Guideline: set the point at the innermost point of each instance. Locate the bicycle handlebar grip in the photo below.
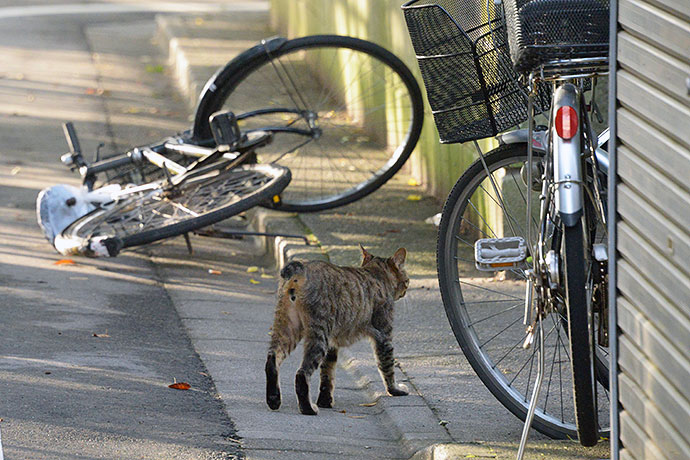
(71, 136)
(110, 163)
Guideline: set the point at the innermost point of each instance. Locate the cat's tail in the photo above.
(291, 269)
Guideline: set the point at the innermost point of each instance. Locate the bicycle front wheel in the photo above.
(486, 309)
(159, 213)
(345, 115)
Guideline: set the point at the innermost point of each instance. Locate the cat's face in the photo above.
(394, 265)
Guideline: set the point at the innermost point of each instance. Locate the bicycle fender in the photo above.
(567, 162)
(223, 74)
(519, 136)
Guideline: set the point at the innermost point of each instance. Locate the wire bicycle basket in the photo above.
(543, 31)
(462, 51)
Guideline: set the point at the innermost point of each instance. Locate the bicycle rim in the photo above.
(486, 309)
(153, 215)
(366, 105)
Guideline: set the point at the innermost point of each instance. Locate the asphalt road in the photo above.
(87, 350)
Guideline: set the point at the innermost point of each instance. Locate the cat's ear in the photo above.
(366, 257)
(399, 257)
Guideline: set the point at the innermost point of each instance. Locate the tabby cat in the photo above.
(330, 307)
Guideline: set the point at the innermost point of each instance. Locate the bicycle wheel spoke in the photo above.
(491, 290)
(495, 314)
(500, 332)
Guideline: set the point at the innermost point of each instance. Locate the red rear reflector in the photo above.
(566, 122)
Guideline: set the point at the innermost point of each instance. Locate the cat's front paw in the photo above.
(398, 390)
(325, 400)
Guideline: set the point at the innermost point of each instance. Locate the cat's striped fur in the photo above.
(330, 307)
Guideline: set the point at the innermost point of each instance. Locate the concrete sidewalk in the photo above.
(449, 413)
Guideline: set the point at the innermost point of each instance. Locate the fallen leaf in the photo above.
(90, 90)
(371, 404)
(101, 335)
(253, 281)
(214, 272)
(252, 269)
(414, 197)
(65, 262)
(180, 386)
(342, 411)
(267, 276)
(412, 182)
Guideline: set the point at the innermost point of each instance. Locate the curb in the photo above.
(197, 45)
(410, 418)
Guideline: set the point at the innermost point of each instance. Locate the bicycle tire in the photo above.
(580, 334)
(359, 148)
(154, 215)
(478, 308)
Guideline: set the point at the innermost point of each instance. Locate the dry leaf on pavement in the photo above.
(371, 404)
(65, 262)
(180, 386)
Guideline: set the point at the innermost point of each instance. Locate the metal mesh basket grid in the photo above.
(462, 51)
(541, 31)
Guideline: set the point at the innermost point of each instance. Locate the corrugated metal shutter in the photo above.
(653, 228)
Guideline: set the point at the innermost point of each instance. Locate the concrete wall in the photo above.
(436, 166)
(653, 228)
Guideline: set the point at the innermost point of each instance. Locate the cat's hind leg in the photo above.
(272, 381)
(327, 385)
(286, 333)
(314, 353)
(383, 349)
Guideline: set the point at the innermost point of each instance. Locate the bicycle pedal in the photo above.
(224, 128)
(495, 254)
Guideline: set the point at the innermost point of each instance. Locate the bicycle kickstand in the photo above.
(535, 392)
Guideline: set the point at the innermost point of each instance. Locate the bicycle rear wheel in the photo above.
(485, 309)
(152, 215)
(345, 114)
(580, 333)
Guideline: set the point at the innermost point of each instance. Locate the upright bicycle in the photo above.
(334, 117)
(522, 253)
